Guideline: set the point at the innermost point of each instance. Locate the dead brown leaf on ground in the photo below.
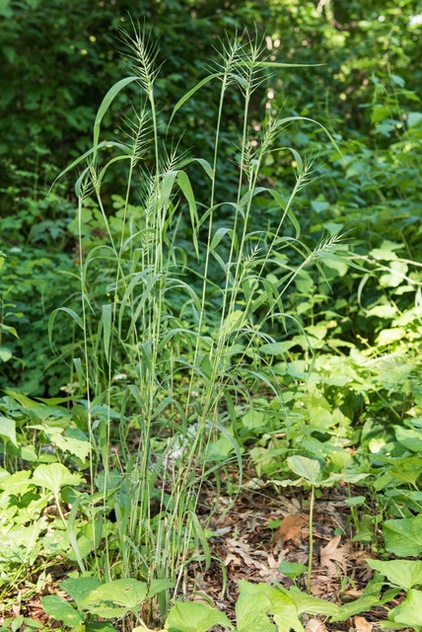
(315, 625)
(332, 555)
(362, 625)
(291, 526)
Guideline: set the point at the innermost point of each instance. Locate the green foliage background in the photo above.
(57, 64)
(188, 329)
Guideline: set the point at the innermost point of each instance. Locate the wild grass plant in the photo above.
(178, 300)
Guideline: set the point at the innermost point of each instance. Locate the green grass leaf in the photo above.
(191, 92)
(105, 104)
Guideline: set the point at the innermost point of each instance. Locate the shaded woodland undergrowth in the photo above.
(236, 392)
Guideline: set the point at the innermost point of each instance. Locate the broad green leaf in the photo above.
(206, 167)
(404, 573)
(62, 610)
(409, 612)
(292, 569)
(17, 483)
(411, 438)
(79, 587)
(414, 118)
(23, 400)
(233, 322)
(396, 275)
(8, 329)
(22, 542)
(77, 447)
(320, 417)
(276, 348)
(386, 251)
(72, 314)
(382, 311)
(320, 205)
(253, 419)
(388, 336)
(8, 430)
(311, 605)
(309, 469)
(54, 476)
(128, 593)
(362, 604)
(194, 617)
(257, 601)
(5, 354)
(99, 626)
(403, 537)
(335, 262)
(159, 585)
(374, 594)
(108, 612)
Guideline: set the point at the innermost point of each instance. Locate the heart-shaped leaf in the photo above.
(309, 469)
(54, 476)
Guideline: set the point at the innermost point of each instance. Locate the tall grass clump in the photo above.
(178, 300)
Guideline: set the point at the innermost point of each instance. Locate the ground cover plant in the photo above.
(214, 354)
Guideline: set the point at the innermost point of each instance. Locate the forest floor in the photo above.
(248, 543)
(250, 546)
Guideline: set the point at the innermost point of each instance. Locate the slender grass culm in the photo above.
(176, 300)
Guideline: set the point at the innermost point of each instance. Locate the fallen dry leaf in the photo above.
(314, 625)
(232, 559)
(332, 554)
(291, 526)
(362, 625)
(240, 549)
(270, 572)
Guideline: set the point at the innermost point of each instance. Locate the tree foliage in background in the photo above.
(58, 63)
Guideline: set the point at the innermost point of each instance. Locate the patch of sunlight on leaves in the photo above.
(388, 336)
(398, 271)
(8, 430)
(386, 251)
(382, 311)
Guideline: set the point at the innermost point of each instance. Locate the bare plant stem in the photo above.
(311, 538)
